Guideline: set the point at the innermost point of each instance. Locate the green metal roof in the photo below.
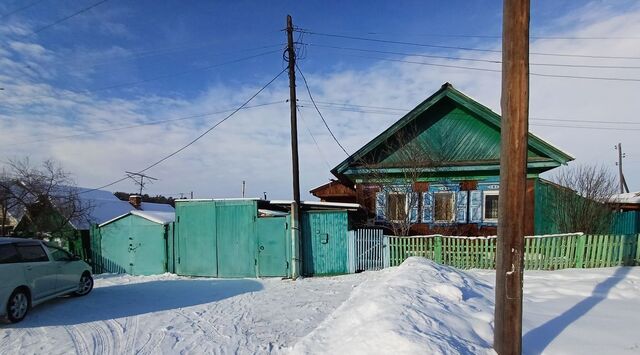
(458, 132)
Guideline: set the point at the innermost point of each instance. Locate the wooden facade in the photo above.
(439, 167)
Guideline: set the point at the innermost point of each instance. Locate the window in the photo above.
(444, 206)
(59, 254)
(490, 206)
(8, 254)
(396, 206)
(30, 253)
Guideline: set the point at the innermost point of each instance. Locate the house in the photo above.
(100, 206)
(438, 168)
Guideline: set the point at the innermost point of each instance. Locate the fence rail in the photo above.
(550, 252)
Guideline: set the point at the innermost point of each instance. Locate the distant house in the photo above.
(101, 206)
(454, 188)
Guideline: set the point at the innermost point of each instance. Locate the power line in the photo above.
(141, 124)
(320, 113)
(199, 136)
(160, 77)
(492, 61)
(354, 108)
(499, 71)
(486, 50)
(314, 138)
(441, 35)
(21, 8)
(83, 10)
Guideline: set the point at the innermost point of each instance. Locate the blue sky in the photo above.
(127, 63)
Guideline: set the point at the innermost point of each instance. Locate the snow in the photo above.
(418, 307)
(172, 314)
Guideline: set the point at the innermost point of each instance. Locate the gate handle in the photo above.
(261, 247)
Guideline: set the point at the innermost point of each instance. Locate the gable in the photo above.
(451, 132)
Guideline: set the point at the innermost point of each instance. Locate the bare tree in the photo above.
(581, 201)
(396, 170)
(46, 195)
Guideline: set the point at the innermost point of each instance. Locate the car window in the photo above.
(30, 253)
(58, 254)
(8, 254)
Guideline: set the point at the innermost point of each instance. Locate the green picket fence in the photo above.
(548, 252)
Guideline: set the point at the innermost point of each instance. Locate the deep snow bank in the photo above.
(418, 307)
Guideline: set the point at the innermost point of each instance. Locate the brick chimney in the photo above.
(135, 201)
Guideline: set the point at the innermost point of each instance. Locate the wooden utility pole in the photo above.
(513, 177)
(295, 206)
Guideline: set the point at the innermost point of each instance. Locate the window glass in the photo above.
(396, 206)
(58, 254)
(444, 206)
(8, 254)
(31, 253)
(491, 207)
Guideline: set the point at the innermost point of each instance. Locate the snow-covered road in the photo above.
(417, 307)
(171, 314)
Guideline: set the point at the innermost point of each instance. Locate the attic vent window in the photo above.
(444, 206)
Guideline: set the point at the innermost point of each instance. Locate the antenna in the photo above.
(140, 183)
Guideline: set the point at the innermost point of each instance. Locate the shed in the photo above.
(136, 243)
(231, 238)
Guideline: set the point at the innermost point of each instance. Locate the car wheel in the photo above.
(18, 305)
(85, 286)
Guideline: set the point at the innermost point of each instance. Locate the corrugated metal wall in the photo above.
(220, 238)
(324, 242)
(133, 245)
(626, 222)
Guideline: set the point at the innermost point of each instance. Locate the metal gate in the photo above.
(366, 250)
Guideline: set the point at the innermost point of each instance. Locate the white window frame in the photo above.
(406, 205)
(484, 205)
(453, 206)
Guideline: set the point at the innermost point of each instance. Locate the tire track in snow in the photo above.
(155, 339)
(130, 333)
(78, 340)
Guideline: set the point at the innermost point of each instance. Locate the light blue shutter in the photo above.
(461, 206)
(427, 207)
(475, 206)
(381, 205)
(413, 205)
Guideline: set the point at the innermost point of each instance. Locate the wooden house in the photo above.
(439, 167)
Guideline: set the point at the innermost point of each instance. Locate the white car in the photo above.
(33, 271)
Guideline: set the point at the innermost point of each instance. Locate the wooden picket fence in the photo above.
(547, 252)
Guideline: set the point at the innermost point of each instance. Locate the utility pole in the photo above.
(623, 183)
(295, 206)
(513, 177)
(243, 187)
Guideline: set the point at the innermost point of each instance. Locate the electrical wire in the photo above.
(306, 84)
(160, 77)
(492, 61)
(378, 110)
(486, 50)
(151, 123)
(33, 3)
(314, 138)
(440, 35)
(198, 137)
(499, 70)
(81, 11)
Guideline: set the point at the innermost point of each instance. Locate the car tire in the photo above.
(85, 285)
(18, 305)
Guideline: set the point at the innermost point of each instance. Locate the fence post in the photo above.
(437, 252)
(637, 239)
(385, 257)
(580, 246)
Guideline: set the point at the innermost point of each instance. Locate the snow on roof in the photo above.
(317, 203)
(271, 213)
(153, 216)
(158, 207)
(629, 197)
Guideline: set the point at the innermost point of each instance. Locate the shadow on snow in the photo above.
(110, 302)
(537, 339)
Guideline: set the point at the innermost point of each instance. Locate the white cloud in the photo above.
(254, 145)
